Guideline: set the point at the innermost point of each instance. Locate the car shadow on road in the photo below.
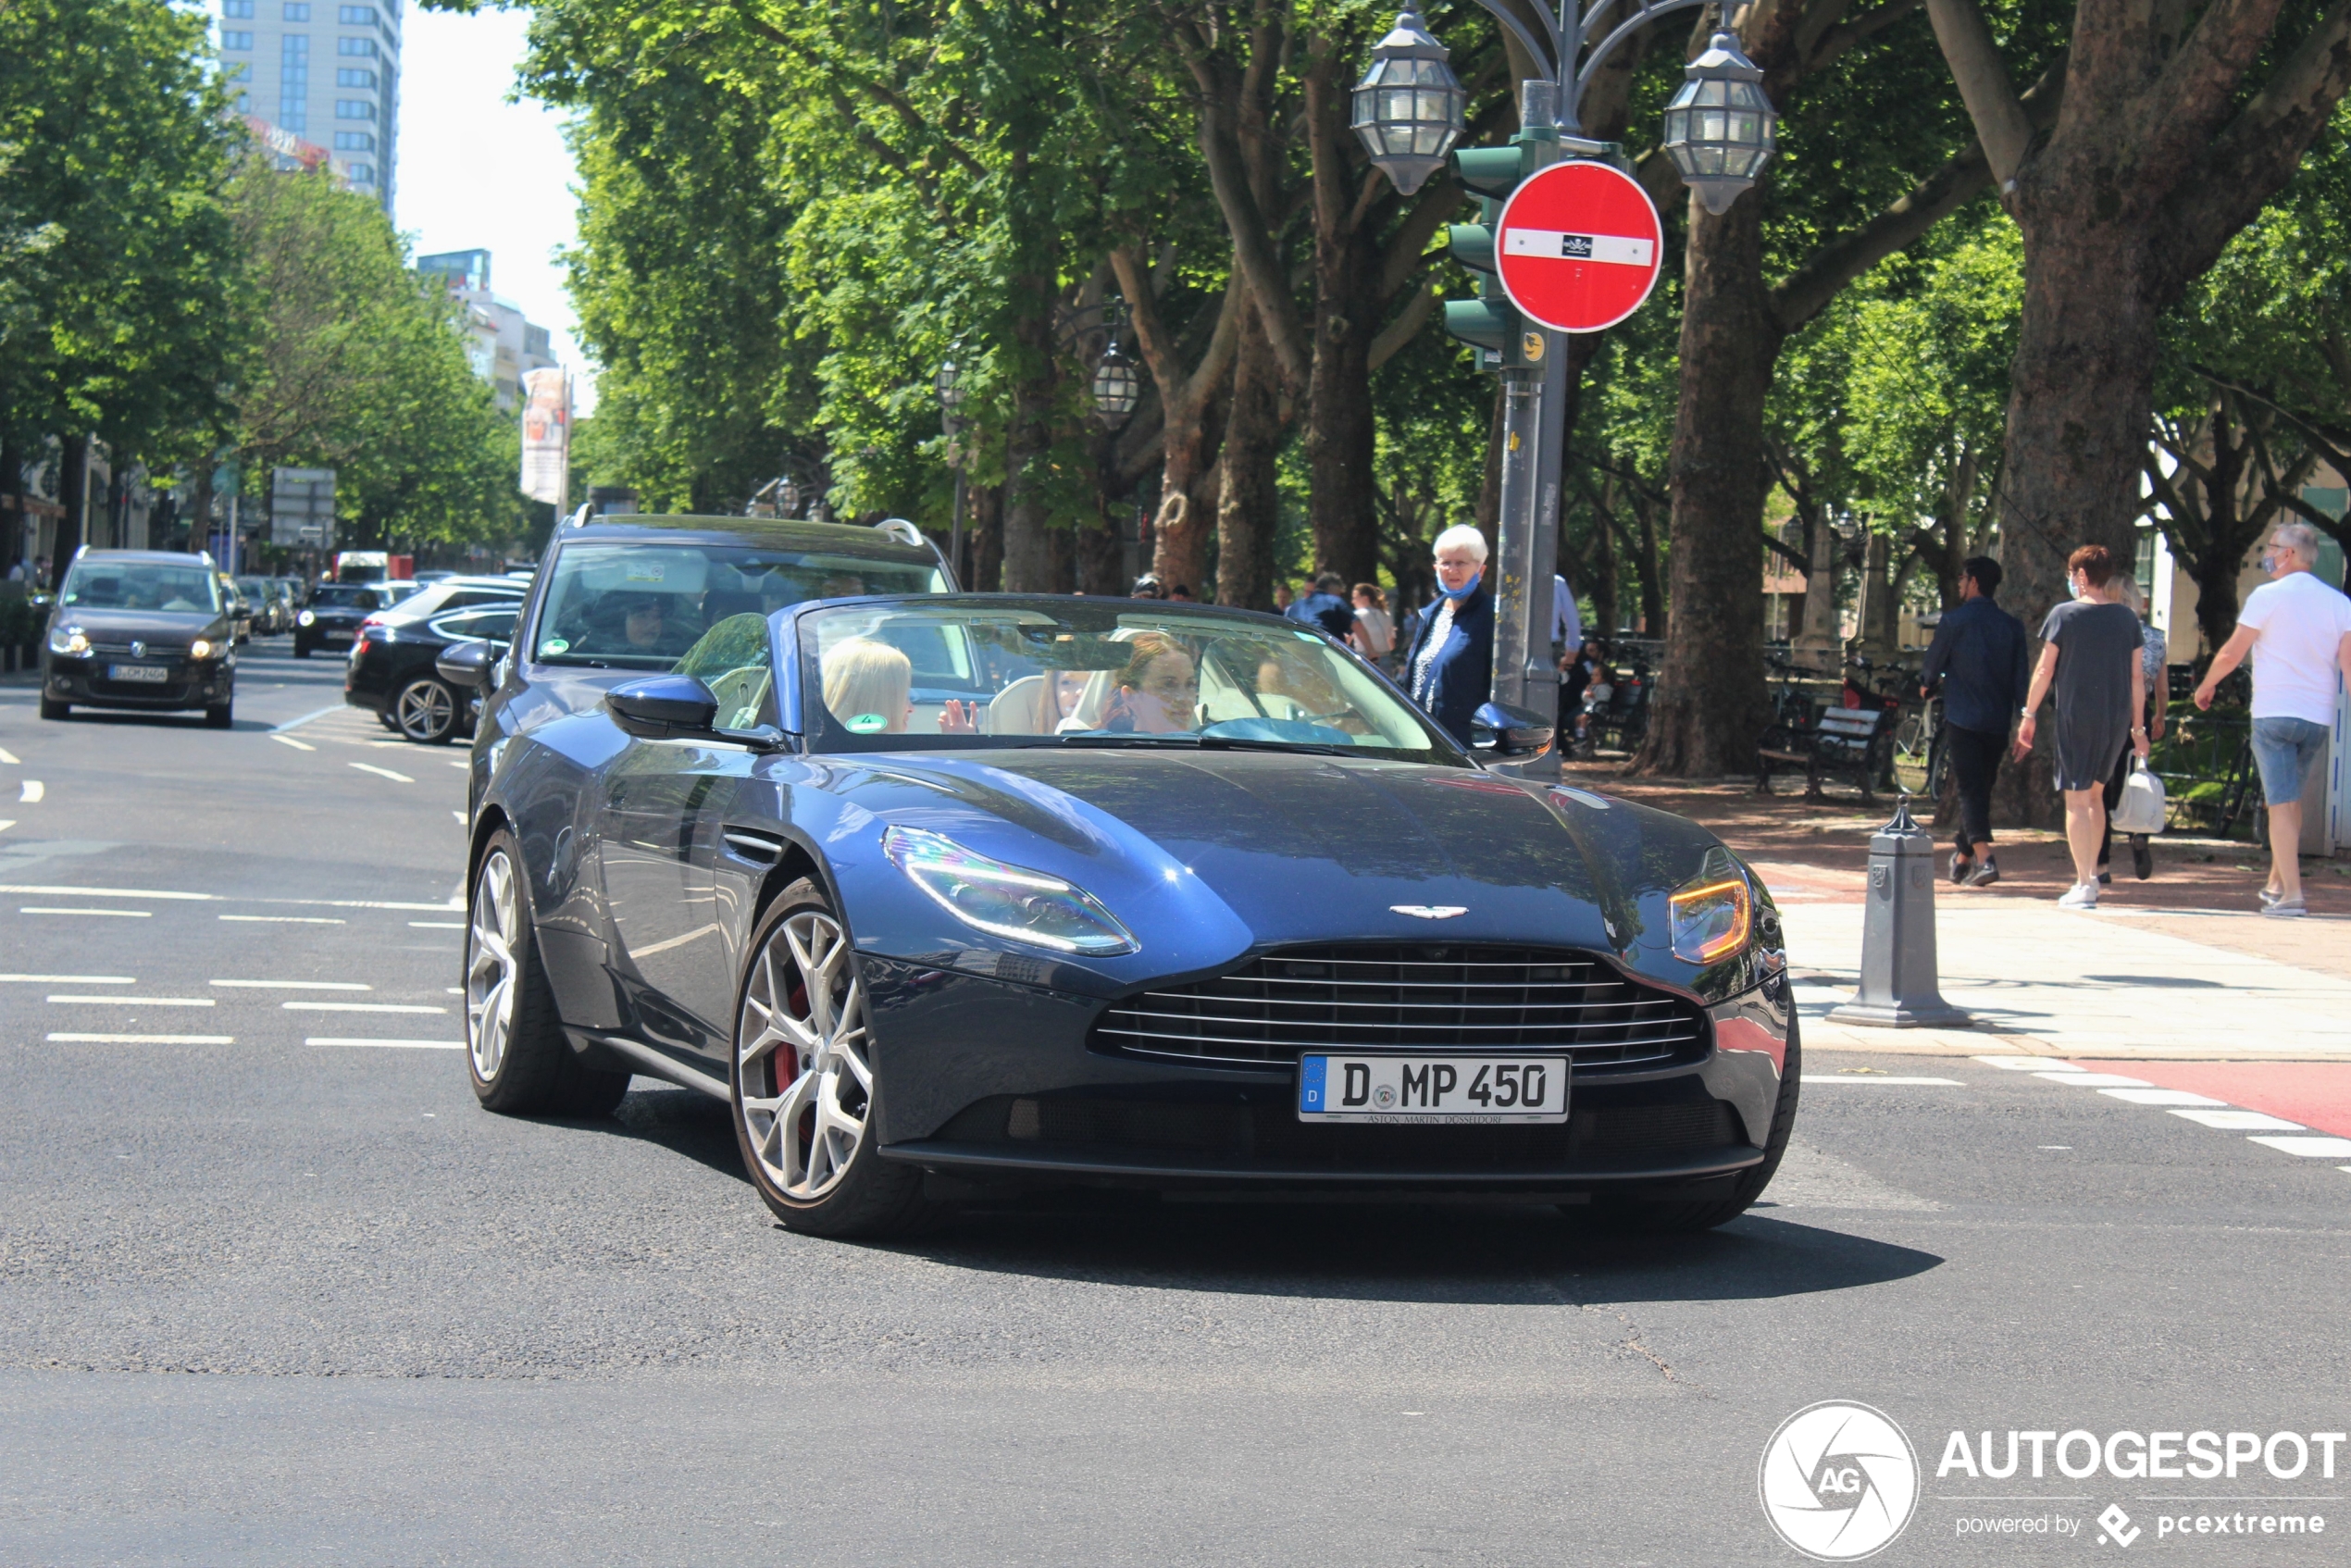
(680, 1121)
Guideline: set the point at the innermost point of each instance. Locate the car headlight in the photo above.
(200, 649)
(67, 640)
(1713, 913)
(1005, 900)
(307, 619)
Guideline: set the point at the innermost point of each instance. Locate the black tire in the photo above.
(425, 710)
(221, 715)
(796, 1145)
(532, 1070)
(51, 708)
(1682, 1218)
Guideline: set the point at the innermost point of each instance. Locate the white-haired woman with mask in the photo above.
(1449, 666)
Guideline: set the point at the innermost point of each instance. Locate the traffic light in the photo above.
(1489, 321)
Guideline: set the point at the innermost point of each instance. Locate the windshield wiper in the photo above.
(1130, 738)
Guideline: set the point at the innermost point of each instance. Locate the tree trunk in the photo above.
(1340, 434)
(200, 508)
(1100, 565)
(1603, 586)
(1489, 488)
(12, 512)
(1248, 499)
(1710, 702)
(73, 493)
(1029, 567)
(986, 545)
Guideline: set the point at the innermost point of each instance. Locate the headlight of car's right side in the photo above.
(1713, 913)
(67, 640)
(307, 619)
(200, 649)
(1006, 900)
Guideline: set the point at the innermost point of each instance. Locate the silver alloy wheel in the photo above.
(800, 1057)
(425, 710)
(490, 966)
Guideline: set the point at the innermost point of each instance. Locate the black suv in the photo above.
(329, 617)
(140, 629)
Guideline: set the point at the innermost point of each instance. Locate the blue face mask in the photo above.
(1457, 594)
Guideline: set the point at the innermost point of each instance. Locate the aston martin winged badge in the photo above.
(1430, 911)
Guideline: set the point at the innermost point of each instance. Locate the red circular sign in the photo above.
(1578, 246)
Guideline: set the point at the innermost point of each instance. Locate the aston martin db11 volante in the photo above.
(952, 894)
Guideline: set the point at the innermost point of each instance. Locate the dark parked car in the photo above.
(140, 629)
(942, 895)
(329, 617)
(391, 672)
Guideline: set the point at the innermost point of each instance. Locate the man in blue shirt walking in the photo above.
(1978, 656)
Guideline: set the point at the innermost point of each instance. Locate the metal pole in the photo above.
(1522, 599)
(956, 539)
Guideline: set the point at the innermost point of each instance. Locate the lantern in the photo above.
(1408, 108)
(1719, 126)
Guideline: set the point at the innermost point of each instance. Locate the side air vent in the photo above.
(747, 843)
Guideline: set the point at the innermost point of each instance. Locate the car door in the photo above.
(664, 804)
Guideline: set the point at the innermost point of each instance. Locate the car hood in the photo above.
(1301, 847)
(179, 626)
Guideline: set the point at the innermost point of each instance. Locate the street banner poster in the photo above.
(546, 434)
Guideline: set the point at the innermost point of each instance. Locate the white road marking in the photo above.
(383, 773)
(2028, 1063)
(352, 1007)
(139, 1001)
(7, 823)
(10, 757)
(438, 925)
(2095, 1080)
(119, 913)
(33, 790)
(68, 980)
(456, 990)
(144, 1039)
(285, 919)
(289, 740)
(458, 815)
(364, 904)
(457, 762)
(408, 1044)
(2241, 1121)
(298, 723)
(103, 892)
(1875, 1078)
(2308, 1147)
(2159, 1097)
(293, 985)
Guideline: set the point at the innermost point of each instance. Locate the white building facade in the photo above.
(324, 73)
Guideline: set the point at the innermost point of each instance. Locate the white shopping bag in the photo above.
(2141, 807)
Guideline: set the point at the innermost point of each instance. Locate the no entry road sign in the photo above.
(1578, 246)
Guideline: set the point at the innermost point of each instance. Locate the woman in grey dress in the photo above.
(2090, 657)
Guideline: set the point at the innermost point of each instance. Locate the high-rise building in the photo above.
(500, 344)
(324, 73)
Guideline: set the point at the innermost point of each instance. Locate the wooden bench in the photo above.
(1846, 742)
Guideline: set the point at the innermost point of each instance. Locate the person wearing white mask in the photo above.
(1448, 668)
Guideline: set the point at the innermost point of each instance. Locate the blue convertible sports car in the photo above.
(949, 894)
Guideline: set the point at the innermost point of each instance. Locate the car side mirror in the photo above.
(466, 663)
(1499, 729)
(662, 706)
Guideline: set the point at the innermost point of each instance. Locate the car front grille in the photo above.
(1407, 995)
(156, 651)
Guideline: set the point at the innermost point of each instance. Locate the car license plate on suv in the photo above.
(337, 637)
(1431, 1089)
(156, 673)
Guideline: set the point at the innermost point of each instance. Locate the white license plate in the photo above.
(138, 672)
(337, 637)
(1431, 1089)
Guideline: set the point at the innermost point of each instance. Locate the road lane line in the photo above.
(138, 1000)
(32, 791)
(352, 1007)
(2308, 1147)
(438, 925)
(289, 740)
(458, 815)
(298, 723)
(459, 763)
(10, 757)
(2028, 1064)
(118, 914)
(7, 823)
(142, 1039)
(2160, 1097)
(404, 1044)
(383, 772)
(1874, 1079)
(293, 985)
(68, 980)
(2242, 1121)
(104, 892)
(284, 920)
(2080, 1079)
(363, 904)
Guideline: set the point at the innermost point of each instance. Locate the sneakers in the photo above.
(2142, 857)
(2269, 896)
(2287, 909)
(1961, 865)
(1984, 875)
(2084, 895)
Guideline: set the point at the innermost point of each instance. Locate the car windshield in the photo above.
(128, 585)
(976, 674)
(344, 596)
(642, 606)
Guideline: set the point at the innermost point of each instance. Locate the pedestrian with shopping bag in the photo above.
(2090, 660)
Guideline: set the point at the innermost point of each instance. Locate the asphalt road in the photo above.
(267, 1299)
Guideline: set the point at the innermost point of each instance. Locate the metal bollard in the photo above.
(1899, 986)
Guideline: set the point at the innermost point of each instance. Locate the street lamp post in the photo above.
(1408, 112)
(949, 383)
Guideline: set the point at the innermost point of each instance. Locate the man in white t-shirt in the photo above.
(2298, 631)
